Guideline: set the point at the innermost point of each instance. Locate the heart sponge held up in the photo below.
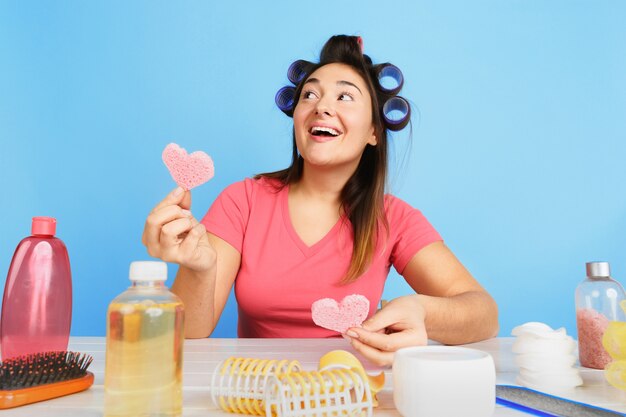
(188, 170)
(350, 312)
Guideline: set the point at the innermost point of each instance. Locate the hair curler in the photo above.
(238, 384)
(281, 389)
(330, 392)
(393, 73)
(397, 113)
(297, 71)
(284, 100)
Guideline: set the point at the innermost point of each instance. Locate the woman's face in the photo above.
(333, 117)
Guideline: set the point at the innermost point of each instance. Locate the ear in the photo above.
(372, 137)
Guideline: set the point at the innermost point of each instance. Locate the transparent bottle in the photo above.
(144, 347)
(598, 300)
(37, 302)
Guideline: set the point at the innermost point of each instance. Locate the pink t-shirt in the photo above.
(280, 276)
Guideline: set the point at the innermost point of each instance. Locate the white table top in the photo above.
(201, 356)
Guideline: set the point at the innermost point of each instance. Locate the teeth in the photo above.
(324, 129)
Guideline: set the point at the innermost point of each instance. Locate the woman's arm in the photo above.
(204, 294)
(457, 308)
(449, 306)
(207, 264)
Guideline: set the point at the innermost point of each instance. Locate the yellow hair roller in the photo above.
(330, 392)
(282, 389)
(343, 359)
(238, 384)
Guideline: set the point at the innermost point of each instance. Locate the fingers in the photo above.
(166, 222)
(192, 241)
(175, 197)
(404, 312)
(196, 251)
(174, 205)
(157, 219)
(382, 319)
(380, 348)
(172, 236)
(383, 342)
(399, 324)
(186, 200)
(171, 232)
(374, 355)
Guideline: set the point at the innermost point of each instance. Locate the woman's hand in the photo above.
(400, 323)
(172, 234)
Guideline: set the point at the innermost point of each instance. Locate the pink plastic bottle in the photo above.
(37, 303)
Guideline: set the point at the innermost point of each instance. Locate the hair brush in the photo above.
(42, 376)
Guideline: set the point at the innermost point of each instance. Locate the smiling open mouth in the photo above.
(324, 131)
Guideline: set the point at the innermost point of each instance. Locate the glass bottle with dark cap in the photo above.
(598, 300)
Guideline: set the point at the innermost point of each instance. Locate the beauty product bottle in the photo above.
(598, 300)
(144, 347)
(37, 302)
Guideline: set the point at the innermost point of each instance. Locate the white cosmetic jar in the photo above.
(443, 381)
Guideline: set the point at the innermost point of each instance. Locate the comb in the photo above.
(42, 376)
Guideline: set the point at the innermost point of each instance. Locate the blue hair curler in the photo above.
(390, 79)
(284, 99)
(297, 71)
(397, 113)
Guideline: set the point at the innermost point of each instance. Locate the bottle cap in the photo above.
(598, 269)
(46, 226)
(148, 271)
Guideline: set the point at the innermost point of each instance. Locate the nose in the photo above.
(324, 106)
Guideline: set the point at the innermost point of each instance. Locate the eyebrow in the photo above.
(341, 82)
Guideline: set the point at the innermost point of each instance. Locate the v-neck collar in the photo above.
(306, 250)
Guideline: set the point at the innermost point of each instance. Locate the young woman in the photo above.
(322, 228)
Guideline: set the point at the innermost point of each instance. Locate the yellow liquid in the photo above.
(144, 358)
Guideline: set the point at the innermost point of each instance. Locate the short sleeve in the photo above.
(229, 214)
(410, 231)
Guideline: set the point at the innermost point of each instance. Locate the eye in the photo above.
(308, 94)
(346, 97)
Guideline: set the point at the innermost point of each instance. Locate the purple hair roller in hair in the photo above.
(390, 74)
(284, 99)
(397, 113)
(297, 71)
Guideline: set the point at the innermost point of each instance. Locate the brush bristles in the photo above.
(42, 368)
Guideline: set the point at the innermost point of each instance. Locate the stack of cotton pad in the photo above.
(545, 357)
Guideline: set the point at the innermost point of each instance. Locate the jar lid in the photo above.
(598, 269)
(148, 271)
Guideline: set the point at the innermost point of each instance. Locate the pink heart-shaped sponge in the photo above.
(188, 170)
(350, 312)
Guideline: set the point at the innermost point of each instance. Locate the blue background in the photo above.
(517, 153)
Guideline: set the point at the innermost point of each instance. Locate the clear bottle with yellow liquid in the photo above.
(144, 350)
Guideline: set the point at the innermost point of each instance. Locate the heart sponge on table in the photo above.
(188, 170)
(350, 312)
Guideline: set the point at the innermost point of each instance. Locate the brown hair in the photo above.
(362, 198)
